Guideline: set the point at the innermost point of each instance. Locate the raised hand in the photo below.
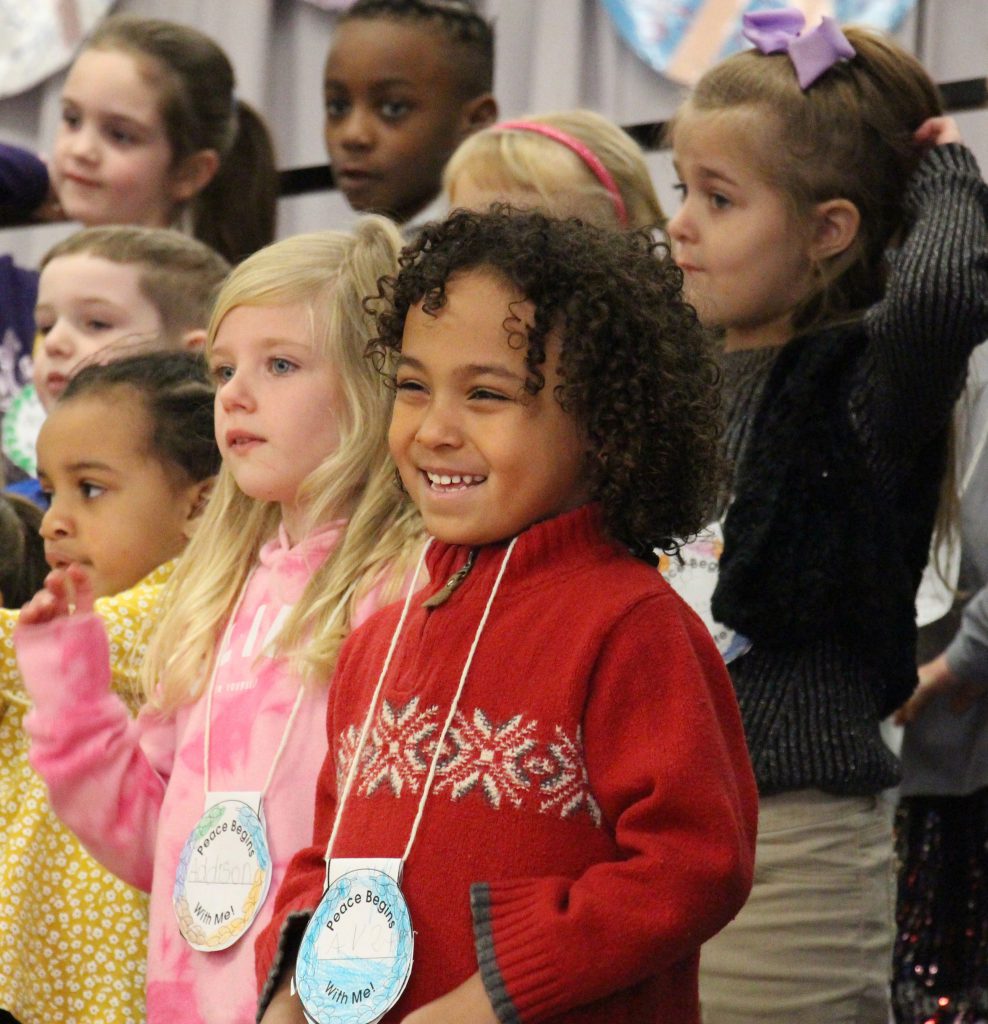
(65, 591)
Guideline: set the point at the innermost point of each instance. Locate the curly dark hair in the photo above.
(637, 369)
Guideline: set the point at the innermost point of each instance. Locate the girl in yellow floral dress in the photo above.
(127, 456)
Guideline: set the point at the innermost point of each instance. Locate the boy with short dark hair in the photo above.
(406, 81)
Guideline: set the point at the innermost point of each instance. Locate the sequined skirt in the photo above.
(940, 966)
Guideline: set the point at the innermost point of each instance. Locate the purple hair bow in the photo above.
(811, 53)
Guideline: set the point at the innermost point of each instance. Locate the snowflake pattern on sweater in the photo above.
(510, 763)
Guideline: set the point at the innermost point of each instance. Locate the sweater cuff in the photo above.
(276, 948)
(519, 970)
(951, 158)
(65, 663)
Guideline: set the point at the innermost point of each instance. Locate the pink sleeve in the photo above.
(106, 772)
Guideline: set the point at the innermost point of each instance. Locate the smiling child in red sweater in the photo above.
(544, 741)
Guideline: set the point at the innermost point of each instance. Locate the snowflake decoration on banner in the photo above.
(480, 754)
(682, 38)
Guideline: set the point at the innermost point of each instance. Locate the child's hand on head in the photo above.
(466, 1004)
(937, 131)
(65, 591)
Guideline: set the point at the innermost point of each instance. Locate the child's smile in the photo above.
(481, 457)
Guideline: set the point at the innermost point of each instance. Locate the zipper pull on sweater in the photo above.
(442, 595)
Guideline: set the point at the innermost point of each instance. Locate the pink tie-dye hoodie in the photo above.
(132, 790)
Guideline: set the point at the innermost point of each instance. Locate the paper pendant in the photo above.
(223, 876)
(356, 953)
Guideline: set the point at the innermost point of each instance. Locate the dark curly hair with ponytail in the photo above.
(637, 371)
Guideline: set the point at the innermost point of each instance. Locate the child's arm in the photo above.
(961, 672)
(935, 307)
(667, 762)
(84, 743)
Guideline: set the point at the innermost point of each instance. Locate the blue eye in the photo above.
(221, 373)
(280, 366)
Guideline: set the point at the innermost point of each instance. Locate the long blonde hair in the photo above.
(507, 161)
(331, 272)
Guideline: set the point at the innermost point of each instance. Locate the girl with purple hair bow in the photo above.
(832, 232)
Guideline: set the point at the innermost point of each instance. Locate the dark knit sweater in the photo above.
(835, 493)
(592, 819)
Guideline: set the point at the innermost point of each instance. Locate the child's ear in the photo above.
(835, 226)
(198, 496)
(193, 174)
(480, 112)
(194, 341)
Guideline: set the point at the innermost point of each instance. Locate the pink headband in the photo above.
(583, 151)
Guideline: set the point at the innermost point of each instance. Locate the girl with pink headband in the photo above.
(573, 163)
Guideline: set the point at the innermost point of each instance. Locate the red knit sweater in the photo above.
(592, 821)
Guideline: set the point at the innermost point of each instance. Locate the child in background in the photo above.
(297, 546)
(940, 968)
(575, 163)
(152, 133)
(833, 228)
(23, 184)
(405, 82)
(22, 551)
(585, 818)
(127, 456)
(103, 291)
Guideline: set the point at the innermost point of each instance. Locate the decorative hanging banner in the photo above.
(682, 38)
(41, 38)
(224, 872)
(356, 954)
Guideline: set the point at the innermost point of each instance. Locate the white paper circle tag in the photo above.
(223, 876)
(693, 575)
(356, 953)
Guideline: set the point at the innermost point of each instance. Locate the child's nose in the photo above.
(438, 427)
(82, 142)
(236, 393)
(356, 131)
(55, 523)
(680, 225)
(58, 341)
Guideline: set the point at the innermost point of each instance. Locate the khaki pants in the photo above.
(813, 945)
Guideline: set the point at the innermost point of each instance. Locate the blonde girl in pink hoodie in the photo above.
(204, 799)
